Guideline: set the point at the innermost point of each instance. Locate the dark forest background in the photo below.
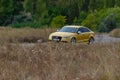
(98, 15)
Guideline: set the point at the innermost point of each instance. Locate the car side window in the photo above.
(80, 29)
(83, 30)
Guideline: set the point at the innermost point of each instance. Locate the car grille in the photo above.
(56, 38)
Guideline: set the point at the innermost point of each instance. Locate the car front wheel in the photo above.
(91, 41)
(73, 40)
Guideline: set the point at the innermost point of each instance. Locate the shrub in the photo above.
(107, 24)
(81, 17)
(58, 21)
(90, 21)
(110, 22)
(111, 15)
(115, 33)
(76, 21)
(102, 27)
(27, 24)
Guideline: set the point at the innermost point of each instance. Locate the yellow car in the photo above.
(73, 34)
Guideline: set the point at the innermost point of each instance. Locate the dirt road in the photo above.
(105, 38)
(99, 38)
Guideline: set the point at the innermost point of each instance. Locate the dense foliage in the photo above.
(91, 13)
(104, 20)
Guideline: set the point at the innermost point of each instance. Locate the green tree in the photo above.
(28, 6)
(117, 3)
(37, 8)
(81, 17)
(8, 9)
(109, 3)
(43, 11)
(92, 5)
(107, 24)
(83, 5)
(102, 26)
(110, 22)
(40, 9)
(58, 21)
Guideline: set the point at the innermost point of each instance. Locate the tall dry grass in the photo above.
(115, 33)
(23, 34)
(60, 61)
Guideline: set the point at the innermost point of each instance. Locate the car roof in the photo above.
(73, 26)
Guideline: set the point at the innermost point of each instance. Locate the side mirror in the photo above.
(79, 32)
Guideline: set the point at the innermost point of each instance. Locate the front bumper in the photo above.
(60, 39)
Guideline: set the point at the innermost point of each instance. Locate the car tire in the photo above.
(91, 41)
(73, 40)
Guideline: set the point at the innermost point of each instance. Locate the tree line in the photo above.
(46, 12)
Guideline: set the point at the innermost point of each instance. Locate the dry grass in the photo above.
(23, 35)
(115, 33)
(60, 61)
(55, 61)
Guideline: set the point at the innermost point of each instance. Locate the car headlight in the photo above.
(66, 37)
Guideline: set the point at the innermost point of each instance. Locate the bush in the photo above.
(82, 16)
(93, 20)
(110, 22)
(107, 24)
(102, 27)
(115, 33)
(90, 22)
(58, 21)
(27, 24)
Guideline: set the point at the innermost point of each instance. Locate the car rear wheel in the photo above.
(73, 40)
(91, 40)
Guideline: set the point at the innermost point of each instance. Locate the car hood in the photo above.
(62, 34)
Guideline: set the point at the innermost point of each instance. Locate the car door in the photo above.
(86, 34)
(80, 35)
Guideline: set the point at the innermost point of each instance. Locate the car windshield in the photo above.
(68, 29)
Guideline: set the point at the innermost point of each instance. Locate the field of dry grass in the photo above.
(60, 61)
(55, 61)
(23, 35)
